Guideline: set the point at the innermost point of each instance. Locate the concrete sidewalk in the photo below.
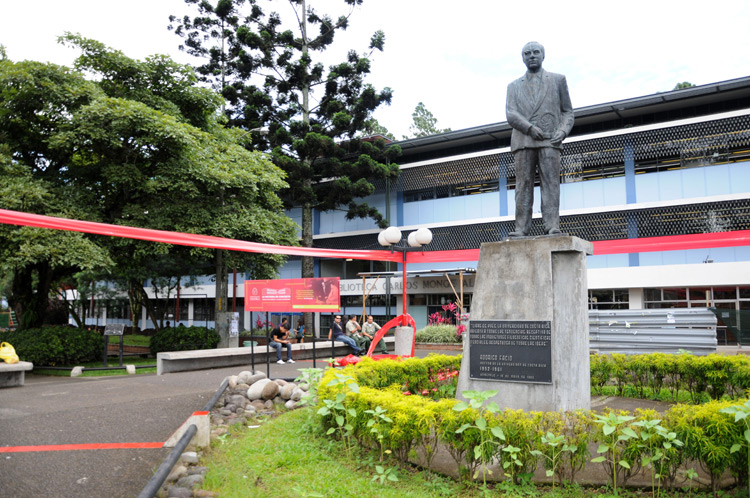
(128, 409)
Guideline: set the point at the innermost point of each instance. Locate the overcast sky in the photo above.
(456, 57)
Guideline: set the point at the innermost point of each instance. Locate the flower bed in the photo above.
(623, 446)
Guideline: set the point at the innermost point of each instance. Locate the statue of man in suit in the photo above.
(539, 110)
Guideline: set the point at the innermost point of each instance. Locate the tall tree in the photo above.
(269, 69)
(141, 146)
(684, 84)
(423, 123)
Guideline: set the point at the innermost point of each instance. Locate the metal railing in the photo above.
(653, 330)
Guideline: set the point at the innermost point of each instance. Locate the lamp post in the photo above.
(391, 236)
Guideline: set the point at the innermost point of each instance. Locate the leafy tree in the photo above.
(140, 146)
(684, 84)
(372, 127)
(264, 65)
(267, 67)
(423, 123)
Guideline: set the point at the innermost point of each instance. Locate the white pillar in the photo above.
(191, 310)
(635, 301)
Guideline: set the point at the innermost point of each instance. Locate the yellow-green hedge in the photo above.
(420, 423)
(712, 375)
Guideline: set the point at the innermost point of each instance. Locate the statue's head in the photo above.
(533, 55)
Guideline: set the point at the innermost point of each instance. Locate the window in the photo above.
(609, 299)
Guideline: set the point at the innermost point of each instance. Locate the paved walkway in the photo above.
(51, 411)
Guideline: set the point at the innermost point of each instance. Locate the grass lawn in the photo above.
(112, 361)
(288, 456)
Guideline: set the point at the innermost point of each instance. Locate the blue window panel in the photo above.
(593, 194)
(674, 258)
(717, 180)
(511, 203)
(742, 253)
(472, 206)
(614, 191)
(490, 204)
(448, 209)
(651, 258)
(595, 261)
(618, 260)
(694, 182)
(410, 213)
(717, 254)
(571, 196)
(425, 212)
(537, 207)
(647, 187)
(291, 269)
(739, 177)
(670, 185)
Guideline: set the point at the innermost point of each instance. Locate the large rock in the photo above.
(297, 394)
(256, 377)
(238, 400)
(190, 481)
(291, 404)
(243, 377)
(287, 390)
(270, 390)
(178, 472)
(256, 390)
(178, 492)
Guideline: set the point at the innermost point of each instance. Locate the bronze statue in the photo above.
(539, 110)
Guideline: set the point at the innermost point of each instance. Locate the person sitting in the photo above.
(369, 329)
(337, 333)
(355, 331)
(279, 336)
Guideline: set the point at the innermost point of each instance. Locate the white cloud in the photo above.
(456, 57)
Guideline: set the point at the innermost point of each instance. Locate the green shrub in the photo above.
(54, 346)
(418, 423)
(439, 334)
(182, 338)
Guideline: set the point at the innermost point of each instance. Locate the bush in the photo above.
(183, 338)
(708, 435)
(440, 334)
(58, 345)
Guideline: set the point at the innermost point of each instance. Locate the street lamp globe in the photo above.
(412, 240)
(423, 236)
(391, 235)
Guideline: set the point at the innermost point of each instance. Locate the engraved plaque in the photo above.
(510, 351)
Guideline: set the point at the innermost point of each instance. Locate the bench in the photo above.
(182, 361)
(12, 374)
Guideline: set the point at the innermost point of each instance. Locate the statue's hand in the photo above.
(536, 133)
(557, 138)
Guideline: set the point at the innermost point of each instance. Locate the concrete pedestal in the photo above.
(540, 280)
(404, 340)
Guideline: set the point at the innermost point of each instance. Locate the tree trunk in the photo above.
(221, 320)
(29, 303)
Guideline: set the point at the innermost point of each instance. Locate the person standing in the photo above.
(279, 337)
(337, 333)
(539, 110)
(369, 328)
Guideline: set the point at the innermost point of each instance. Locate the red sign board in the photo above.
(294, 294)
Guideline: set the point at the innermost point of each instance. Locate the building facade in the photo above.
(672, 163)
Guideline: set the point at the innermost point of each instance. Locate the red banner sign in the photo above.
(294, 294)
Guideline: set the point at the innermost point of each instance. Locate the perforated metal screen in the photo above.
(712, 217)
(696, 144)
